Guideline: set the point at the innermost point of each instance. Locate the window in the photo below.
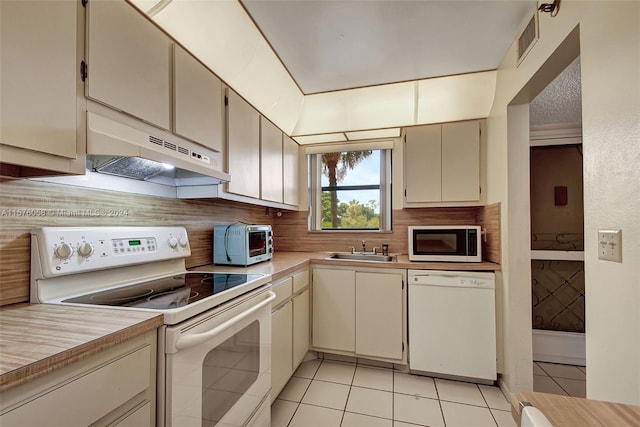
(350, 190)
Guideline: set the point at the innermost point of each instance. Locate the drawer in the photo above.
(70, 404)
(300, 280)
(283, 290)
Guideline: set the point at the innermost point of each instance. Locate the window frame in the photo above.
(316, 189)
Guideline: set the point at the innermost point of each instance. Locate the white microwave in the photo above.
(452, 243)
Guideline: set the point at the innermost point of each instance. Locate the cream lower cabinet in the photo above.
(116, 387)
(334, 312)
(360, 312)
(281, 347)
(301, 331)
(289, 328)
(379, 315)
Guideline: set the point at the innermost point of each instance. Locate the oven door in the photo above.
(217, 370)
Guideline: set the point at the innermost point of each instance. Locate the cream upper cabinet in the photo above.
(334, 311)
(243, 149)
(290, 153)
(270, 161)
(442, 164)
(423, 167)
(460, 162)
(379, 314)
(197, 101)
(41, 98)
(129, 62)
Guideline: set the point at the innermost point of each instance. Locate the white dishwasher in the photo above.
(452, 324)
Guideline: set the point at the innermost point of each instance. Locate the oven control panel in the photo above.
(134, 246)
(65, 250)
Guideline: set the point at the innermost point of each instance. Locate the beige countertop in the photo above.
(36, 339)
(284, 263)
(575, 411)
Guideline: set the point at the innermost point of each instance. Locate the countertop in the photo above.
(36, 339)
(575, 411)
(284, 263)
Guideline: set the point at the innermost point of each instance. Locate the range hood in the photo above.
(122, 147)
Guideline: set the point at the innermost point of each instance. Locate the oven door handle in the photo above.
(192, 340)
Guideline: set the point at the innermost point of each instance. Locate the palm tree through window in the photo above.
(351, 190)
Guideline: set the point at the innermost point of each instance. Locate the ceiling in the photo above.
(338, 70)
(329, 45)
(561, 100)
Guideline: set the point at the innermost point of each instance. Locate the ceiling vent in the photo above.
(528, 38)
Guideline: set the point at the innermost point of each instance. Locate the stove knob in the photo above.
(63, 251)
(173, 242)
(85, 249)
(183, 241)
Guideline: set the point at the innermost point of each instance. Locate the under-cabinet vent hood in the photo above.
(115, 147)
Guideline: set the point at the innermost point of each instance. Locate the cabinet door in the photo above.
(197, 101)
(461, 162)
(128, 60)
(243, 150)
(300, 327)
(423, 169)
(281, 348)
(290, 170)
(334, 309)
(379, 315)
(270, 161)
(39, 76)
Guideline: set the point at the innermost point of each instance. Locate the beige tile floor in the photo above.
(554, 378)
(328, 393)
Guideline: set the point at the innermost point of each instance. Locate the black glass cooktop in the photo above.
(168, 292)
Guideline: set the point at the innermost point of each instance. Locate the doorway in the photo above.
(557, 236)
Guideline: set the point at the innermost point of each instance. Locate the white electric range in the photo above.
(214, 348)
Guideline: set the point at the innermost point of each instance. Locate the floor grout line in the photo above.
(392, 391)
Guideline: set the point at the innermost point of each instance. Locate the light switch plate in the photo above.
(610, 245)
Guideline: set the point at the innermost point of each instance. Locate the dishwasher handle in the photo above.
(452, 280)
(191, 340)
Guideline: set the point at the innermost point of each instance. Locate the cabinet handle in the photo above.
(280, 308)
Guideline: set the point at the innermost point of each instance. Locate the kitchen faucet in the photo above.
(385, 249)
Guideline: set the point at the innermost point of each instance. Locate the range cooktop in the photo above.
(168, 292)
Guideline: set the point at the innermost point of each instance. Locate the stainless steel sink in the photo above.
(363, 257)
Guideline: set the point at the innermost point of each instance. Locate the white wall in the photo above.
(609, 47)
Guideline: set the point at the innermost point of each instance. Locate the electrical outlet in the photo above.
(610, 245)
